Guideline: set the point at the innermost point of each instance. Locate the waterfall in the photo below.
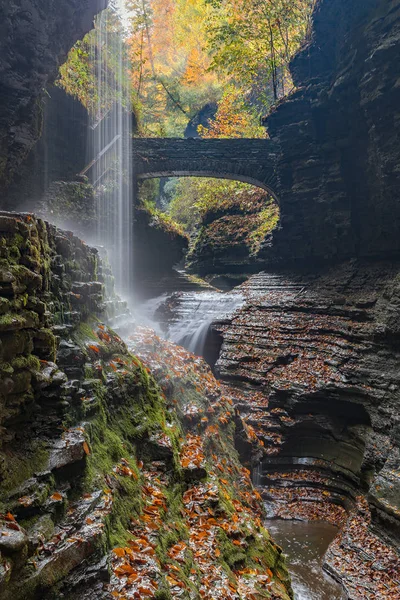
(257, 473)
(195, 315)
(185, 318)
(110, 169)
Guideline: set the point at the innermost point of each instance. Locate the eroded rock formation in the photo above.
(231, 234)
(338, 137)
(34, 40)
(314, 358)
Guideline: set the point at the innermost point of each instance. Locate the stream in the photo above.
(187, 317)
(305, 544)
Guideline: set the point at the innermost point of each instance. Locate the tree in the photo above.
(96, 71)
(252, 41)
(234, 119)
(170, 67)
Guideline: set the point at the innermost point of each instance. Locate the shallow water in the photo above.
(305, 545)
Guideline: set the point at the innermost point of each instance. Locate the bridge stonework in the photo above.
(248, 160)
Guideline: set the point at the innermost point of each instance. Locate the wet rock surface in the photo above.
(157, 248)
(104, 482)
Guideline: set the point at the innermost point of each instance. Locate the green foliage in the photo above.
(233, 226)
(97, 70)
(199, 200)
(268, 220)
(163, 220)
(76, 74)
(147, 199)
(252, 41)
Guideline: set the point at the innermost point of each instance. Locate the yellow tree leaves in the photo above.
(253, 41)
(170, 66)
(233, 119)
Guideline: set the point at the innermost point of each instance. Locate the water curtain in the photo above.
(110, 141)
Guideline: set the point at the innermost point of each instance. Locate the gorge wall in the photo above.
(34, 41)
(314, 358)
(339, 156)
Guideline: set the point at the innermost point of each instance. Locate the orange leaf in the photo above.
(86, 448)
(124, 570)
(56, 496)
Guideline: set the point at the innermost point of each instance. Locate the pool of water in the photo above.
(305, 544)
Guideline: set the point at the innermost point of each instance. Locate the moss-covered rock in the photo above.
(100, 463)
(232, 233)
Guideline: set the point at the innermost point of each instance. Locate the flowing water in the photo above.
(186, 318)
(305, 544)
(109, 167)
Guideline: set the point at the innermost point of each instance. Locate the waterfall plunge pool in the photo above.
(305, 544)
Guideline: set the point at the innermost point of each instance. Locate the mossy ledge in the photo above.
(112, 484)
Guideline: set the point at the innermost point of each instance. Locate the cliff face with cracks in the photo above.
(337, 134)
(34, 40)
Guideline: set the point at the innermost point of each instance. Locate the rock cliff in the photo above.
(314, 358)
(34, 40)
(112, 485)
(337, 134)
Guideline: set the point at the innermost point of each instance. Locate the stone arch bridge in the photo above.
(248, 160)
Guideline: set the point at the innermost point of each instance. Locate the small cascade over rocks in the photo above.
(186, 318)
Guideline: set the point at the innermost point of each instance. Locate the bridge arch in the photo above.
(251, 161)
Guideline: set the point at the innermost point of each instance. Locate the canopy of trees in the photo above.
(178, 56)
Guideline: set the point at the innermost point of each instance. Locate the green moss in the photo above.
(20, 466)
(85, 332)
(11, 319)
(232, 555)
(31, 363)
(6, 369)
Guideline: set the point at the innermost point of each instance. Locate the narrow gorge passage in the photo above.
(199, 300)
(189, 319)
(305, 545)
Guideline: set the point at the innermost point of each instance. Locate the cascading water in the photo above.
(110, 168)
(186, 318)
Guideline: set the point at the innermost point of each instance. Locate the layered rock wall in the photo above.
(35, 39)
(314, 358)
(338, 173)
(59, 155)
